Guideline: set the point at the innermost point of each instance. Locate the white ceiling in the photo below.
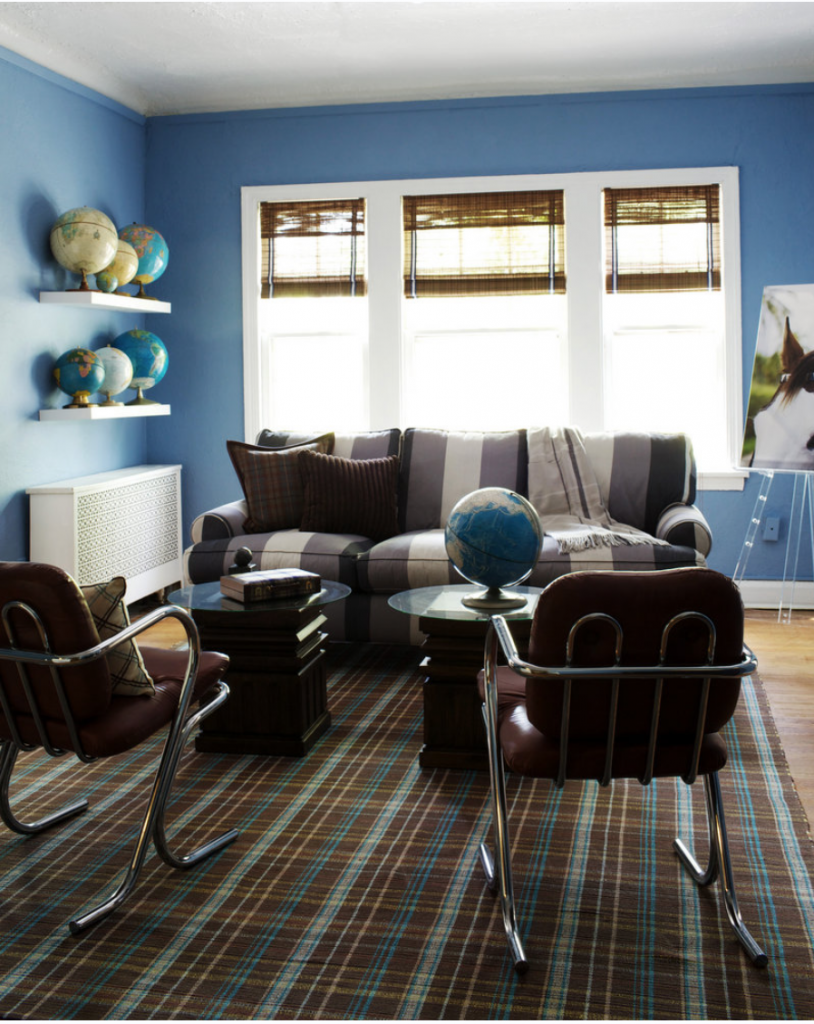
(167, 58)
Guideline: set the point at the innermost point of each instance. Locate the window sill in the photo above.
(723, 480)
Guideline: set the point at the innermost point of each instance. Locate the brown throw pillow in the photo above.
(127, 672)
(350, 495)
(271, 482)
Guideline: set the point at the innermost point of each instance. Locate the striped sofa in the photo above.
(647, 481)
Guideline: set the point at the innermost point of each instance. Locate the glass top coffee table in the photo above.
(454, 735)
(446, 602)
(278, 702)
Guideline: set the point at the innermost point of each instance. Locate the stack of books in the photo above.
(270, 585)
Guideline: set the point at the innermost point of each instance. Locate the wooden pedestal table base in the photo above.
(454, 734)
(278, 702)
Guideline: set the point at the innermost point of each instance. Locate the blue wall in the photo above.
(64, 146)
(61, 146)
(197, 165)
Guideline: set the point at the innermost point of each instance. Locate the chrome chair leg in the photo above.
(720, 865)
(498, 869)
(8, 759)
(153, 817)
(189, 860)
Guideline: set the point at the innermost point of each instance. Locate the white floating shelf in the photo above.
(103, 300)
(107, 412)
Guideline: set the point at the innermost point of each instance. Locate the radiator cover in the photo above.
(123, 523)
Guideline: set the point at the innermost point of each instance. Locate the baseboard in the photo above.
(769, 593)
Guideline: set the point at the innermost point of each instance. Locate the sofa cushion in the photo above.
(344, 495)
(635, 557)
(419, 559)
(271, 482)
(405, 562)
(369, 444)
(641, 474)
(332, 555)
(439, 467)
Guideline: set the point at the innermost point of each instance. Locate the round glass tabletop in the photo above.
(445, 603)
(206, 597)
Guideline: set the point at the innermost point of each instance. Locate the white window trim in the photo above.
(583, 198)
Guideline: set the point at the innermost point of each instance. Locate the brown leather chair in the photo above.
(629, 675)
(55, 694)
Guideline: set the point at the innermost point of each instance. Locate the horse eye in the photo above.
(810, 443)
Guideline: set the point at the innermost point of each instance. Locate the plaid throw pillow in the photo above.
(271, 483)
(127, 672)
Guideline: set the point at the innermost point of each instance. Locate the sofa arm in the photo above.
(222, 522)
(685, 525)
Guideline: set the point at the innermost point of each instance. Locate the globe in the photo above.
(152, 251)
(118, 373)
(150, 359)
(124, 265)
(84, 240)
(79, 373)
(493, 539)
(106, 282)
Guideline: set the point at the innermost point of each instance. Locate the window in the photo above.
(484, 286)
(312, 315)
(612, 303)
(663, 315)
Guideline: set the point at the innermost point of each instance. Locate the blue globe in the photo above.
(79, 373)
(152, 251)
(150, 359)
(493, 538)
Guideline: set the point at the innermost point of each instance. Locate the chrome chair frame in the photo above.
(182, 725)
(497, 868)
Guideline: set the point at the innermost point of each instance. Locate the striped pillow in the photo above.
(105, 601)
(271, 483)
(356, 496)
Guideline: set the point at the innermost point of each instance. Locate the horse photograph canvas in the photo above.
(779, 432)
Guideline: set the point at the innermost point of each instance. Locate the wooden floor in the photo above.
(785, 654)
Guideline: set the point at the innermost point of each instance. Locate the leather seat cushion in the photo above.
(129, 721)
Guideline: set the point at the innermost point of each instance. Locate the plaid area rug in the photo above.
(354, 891)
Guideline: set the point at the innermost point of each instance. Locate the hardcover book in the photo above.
(270, 584)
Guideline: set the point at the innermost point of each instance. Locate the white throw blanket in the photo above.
(565, 492)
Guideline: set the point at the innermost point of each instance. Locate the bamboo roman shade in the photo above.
(487, 243)
(662, 239)
(312, 248)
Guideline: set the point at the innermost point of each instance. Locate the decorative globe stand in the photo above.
(140, 399)
(494, 599)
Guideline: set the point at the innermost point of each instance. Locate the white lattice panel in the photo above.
(125, 523)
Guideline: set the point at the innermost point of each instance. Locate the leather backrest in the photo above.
(642, 603)
(59, 603)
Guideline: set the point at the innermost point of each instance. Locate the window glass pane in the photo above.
(664, 369)
(485, 363)
(315, 364)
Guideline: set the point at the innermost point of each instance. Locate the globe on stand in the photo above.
(107, 282)
(79, 373)
(150, 359)
(118, 373)
(153, 254)
(493, 539)
(124, 265)
(83, 240)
